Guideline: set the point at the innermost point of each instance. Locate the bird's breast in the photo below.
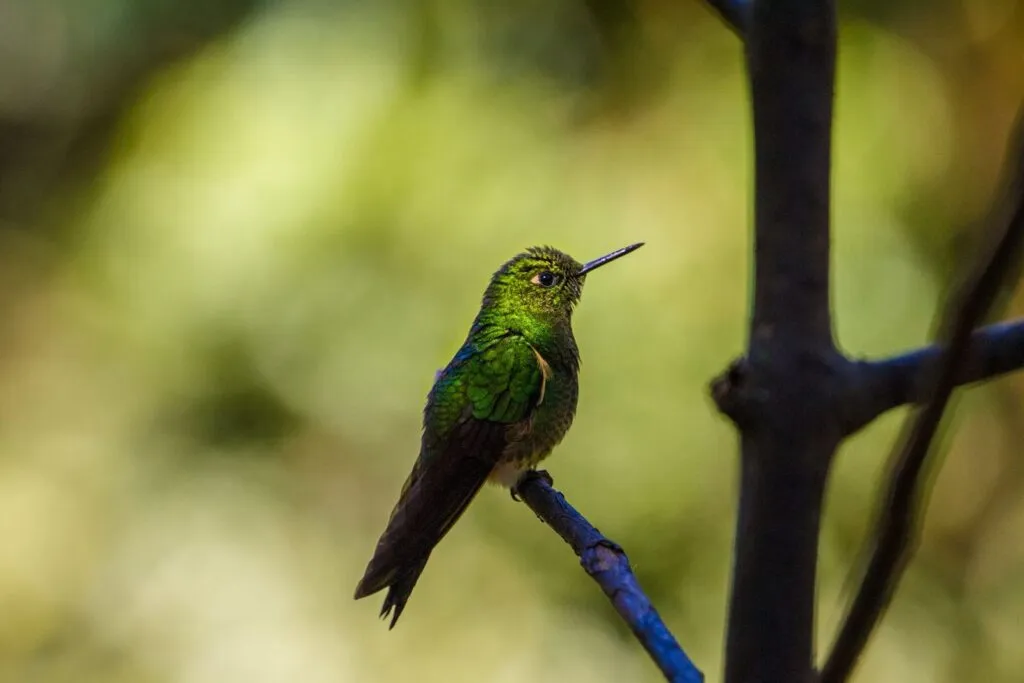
(533, 439)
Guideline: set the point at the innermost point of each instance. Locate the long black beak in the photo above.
(608, 258)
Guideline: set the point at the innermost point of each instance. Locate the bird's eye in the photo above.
(546, 278)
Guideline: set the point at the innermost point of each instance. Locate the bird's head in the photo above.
(541, 285)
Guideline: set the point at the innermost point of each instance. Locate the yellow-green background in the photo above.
(238, 238)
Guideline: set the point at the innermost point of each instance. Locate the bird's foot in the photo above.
(528, 476)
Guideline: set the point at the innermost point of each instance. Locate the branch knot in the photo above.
(735, 394)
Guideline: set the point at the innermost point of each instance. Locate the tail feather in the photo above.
(400, 590)
(434, 497)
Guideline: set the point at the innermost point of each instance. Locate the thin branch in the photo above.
(907, 378)
(735, 14)
(607, 564)
(895, 537)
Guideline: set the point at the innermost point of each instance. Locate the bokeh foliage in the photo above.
(237, 238)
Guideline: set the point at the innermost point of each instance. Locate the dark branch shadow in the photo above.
(735, 14)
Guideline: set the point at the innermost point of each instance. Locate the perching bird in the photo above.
(503, 402)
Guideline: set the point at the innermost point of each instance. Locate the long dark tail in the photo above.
(400, 583)
(433, 498)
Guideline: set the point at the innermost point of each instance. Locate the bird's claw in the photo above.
(528, 476)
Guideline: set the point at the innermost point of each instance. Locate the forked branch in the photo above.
(608, 565)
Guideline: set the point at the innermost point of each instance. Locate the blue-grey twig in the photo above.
(608, 565)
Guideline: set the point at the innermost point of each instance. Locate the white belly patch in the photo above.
(507, 474)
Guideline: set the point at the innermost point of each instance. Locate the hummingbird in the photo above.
(505, 400)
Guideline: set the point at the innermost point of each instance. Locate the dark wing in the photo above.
(465, 432)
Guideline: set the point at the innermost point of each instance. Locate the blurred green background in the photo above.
(237, 238)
